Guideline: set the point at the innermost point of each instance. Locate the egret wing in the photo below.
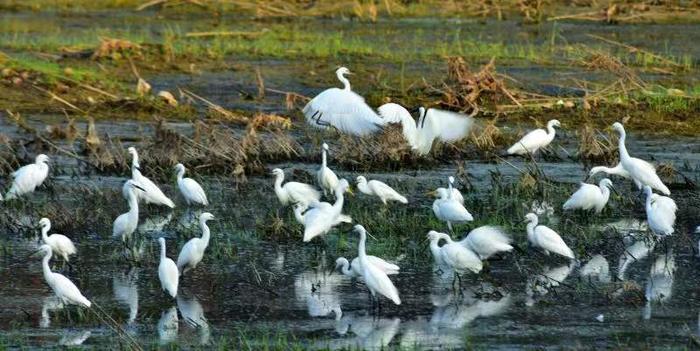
(195, 191)
(584, 198)
(344, 110)
(551, 241)
(531, 140)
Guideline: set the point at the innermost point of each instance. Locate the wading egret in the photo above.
(327, 179)
(29, 177)
(618, 170)
(64, 289)
(294, 192)
(546, 239)
(301, 216)
(193, 251)
(534, 140)
(189, 188)
(167, 271)
(379, 189)
(448, 209)
(151, 193)
(455, 255)
(661, 212)
(60, 244)
(322, 216)
(642, 172)
(126, 223)
(343, 109)
(354, 270)
(432, 124)
(376, 280)
(589, 196)
(487, 241)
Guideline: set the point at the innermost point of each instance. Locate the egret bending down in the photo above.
(354, 270)
(151, 193)
(487, 241)
(661, 212)
(193, 251)
(455, 255)
(642, 172)
(546, 239)
(377, 281)
(322, 216)
(327, 179)
(379, 189)
(29, 177)
(618, 170)
(126, 223)
(60, 244)
(167, 271)
(189, 188)
(64, 289)
(294, 192)
(589, 196)
(535, 140)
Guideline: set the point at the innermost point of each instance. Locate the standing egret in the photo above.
(589, 196)
(487, 241)
(618, 170)
(455, 255)
(432, 124)
(167, 271)
(380, 190)
(60, 244)
(126, 223)
(353, 269)
(661, 212)
(546, 239)
(534, 140)
(642, 172)
(189, 188)
(322, 216)
(193, 251)
(151, 193)
(377, 281)
(294, 192)
(448, 209)
(342, 109)
(327, 179)
(64, 289)
(301, 216)
(29, 177)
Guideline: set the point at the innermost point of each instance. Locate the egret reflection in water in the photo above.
(168, 326)
(659, 286)
(126, 291)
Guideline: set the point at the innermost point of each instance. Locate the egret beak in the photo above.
(614, 191)
(370, 235)
(349, 191)
(432, 193)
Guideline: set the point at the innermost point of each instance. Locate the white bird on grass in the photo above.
(589, 196)
(167, 271)
(661, 212)
(535, 140)
(126, 223)
(294, 192)
(455, 255)
(151, 193)
(342, 109)
(60, 244)
(377, 281)
(379, 189)
(322, 216)
(193, 251)
(448, 209)
(189, 188)
(327, 179)
(546, 239)
(353, 269)
(487, 241)
(64, 289)
(432, 124)
(642, 172)
(29, 177)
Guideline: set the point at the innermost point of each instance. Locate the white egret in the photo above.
(353, 269)
(546, 239)
(64, 289)
(322, 216)
(535, 140)
(193, 251)
(455, 255)
(327, 179)
(294, 192)
(589, 196)
(379, 189)
(151, 193)
(432, 124)
(342, 109)
(167, 271)
(448, 209)
(300, 215)
(661, 212)
(29, 177)
(126, 223)
(189, 188)
(60, 244)
(642, 172)
(435, 248)
(377, 281)
(487, 241)
(618, 170)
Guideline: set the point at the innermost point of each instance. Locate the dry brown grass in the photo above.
(595, 146)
